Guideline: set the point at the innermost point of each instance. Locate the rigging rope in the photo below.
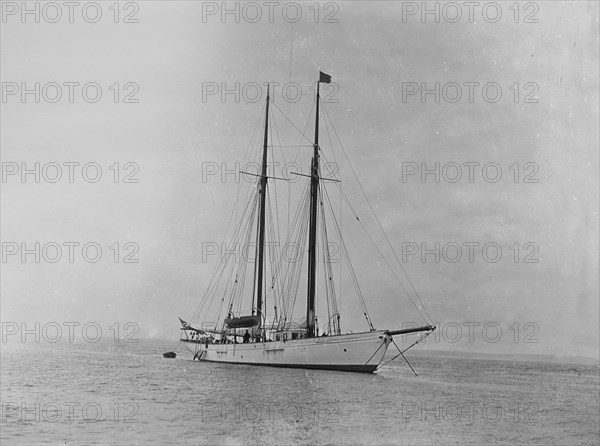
(284, 287)
(376, 218)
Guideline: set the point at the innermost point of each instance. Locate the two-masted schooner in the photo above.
(233, 336)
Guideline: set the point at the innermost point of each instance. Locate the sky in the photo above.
(528, 105)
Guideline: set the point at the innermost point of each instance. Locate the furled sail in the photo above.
(242, 322)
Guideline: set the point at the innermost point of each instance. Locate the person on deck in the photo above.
(246, 337)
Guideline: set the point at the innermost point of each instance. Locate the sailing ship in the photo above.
(264, 337)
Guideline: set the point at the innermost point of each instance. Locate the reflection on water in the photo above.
(128, 393)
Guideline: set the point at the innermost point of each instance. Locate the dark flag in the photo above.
(184, 324)
(324, 78)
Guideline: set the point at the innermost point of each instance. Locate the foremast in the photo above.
(259, 270)
(312, 231)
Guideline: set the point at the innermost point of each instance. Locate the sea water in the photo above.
(127, 393)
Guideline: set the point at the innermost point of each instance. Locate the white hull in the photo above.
(358, 352)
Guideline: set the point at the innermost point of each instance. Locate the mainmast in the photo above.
(312, 232)
(261, 219)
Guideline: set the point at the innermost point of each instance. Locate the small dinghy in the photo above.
(170, 355)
